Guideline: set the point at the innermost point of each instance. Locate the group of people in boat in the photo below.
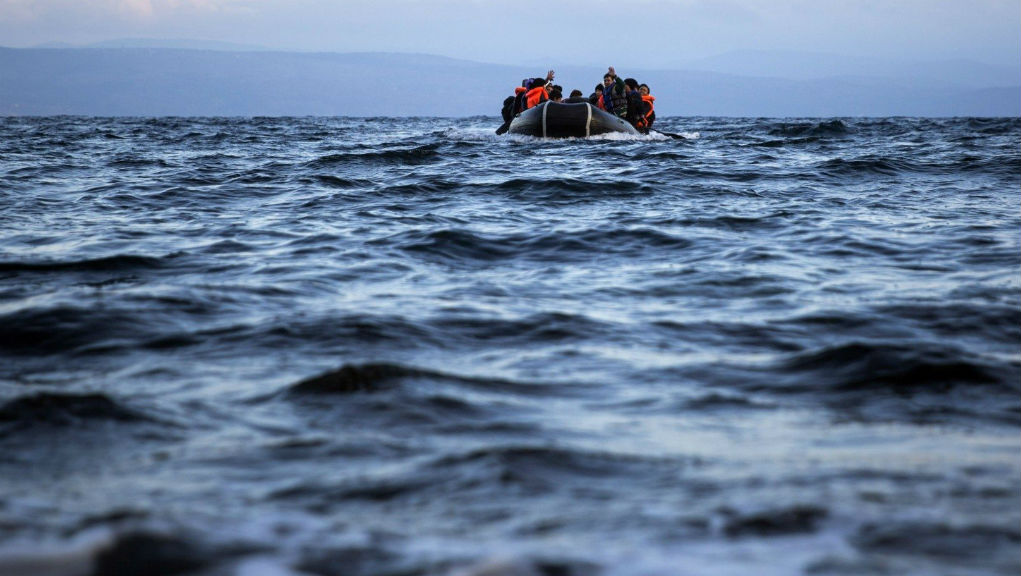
(625, 98)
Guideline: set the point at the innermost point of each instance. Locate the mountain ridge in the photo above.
(154, 81)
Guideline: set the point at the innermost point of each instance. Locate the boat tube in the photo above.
(562, 120)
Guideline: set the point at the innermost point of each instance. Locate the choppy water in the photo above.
(410, 347)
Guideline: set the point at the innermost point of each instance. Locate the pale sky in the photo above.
(626, 33)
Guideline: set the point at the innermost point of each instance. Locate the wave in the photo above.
(376, 377)
(800, 519)
(413, 156)
(816, 129)
(135, 161)
(843, 168)
(556, 246)
(988, 543)
(871, 381)
(528, 331)
(563, 189)
(41, 331)
(62, 410)
(115, 263)
(356, 378)
(861, 366)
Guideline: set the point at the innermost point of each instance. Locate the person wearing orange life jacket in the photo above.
(537, 94)
(650, 112)
(512, 105)
(636, 107)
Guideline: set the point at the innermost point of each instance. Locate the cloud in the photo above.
(17, 10)
(39, 10)
(542, 32)
(134, 8)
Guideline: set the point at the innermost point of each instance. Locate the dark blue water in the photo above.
(337, 346)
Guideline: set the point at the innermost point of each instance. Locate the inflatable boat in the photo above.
(562, 120)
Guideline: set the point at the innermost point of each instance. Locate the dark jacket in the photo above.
(615, 98)
(636, 109)
(508, 109)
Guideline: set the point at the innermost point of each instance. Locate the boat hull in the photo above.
(561, 120)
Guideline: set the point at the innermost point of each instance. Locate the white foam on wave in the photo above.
(777, 556)
(266, 566)
(475, 133)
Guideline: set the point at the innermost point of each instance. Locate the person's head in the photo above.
(556, 95)
(631, 84)
(576, 93)
(607, 80)
(598, 88)
(643, 89)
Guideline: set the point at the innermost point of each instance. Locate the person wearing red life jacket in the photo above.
(650, 111)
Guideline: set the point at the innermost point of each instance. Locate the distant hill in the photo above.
(148, 81)
(817, 66)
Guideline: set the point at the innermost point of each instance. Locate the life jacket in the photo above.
(618, 102)
(645, 122)
(519, 99)
(600, 103)
(651, 113)
(536, 96)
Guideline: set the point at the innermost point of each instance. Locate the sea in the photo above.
(409, 347)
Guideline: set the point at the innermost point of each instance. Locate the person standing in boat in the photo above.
(614, 94)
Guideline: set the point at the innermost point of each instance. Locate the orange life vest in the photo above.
(536, 96)
(649, 100)
(646, 119)
(600, 103)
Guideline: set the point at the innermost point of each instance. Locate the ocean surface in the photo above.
(402, 347)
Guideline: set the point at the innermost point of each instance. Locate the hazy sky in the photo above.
(622, 32)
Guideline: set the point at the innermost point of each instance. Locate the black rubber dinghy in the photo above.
(560, 120)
